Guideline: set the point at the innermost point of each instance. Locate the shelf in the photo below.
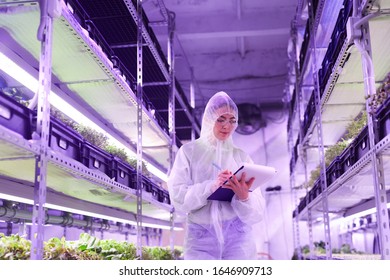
(353, 187)
(22, 192)
(85, 73)
(356, 256)
(343, 97)
(114, 24)
(367, 5)
(71, 179)
(323, 23)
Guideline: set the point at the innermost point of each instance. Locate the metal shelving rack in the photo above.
(53, 173)
(338, 101)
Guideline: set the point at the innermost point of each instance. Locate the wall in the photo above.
(269, 146)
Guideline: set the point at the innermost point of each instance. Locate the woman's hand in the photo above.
(240, 188)
(222, 177)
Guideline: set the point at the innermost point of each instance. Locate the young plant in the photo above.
(353, 130)
(14, 247)
(118, 152)
(356, 126)
(332, 152)
(133, 163)
(62, 117)
(98, 139)
(92, 136)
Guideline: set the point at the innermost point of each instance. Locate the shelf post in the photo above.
(192, 103)
(172, 228)
(49, 10)
(147, 236)
(159, 236)
(171, 101)
(296, 236)
(139, 127)
(171, 107)
(22, 229)
(364, 46)
(317, 100)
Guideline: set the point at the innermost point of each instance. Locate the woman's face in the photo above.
(224, 126)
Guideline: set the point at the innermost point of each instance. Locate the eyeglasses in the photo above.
(223, 121)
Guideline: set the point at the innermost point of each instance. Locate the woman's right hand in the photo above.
(222, 177)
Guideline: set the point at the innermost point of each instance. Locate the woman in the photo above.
(215, 229)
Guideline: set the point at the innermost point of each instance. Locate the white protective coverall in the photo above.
(215, 229)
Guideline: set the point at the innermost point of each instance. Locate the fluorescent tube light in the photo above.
(16, 198)
(105, 217)
(364, 213)
(18, 73)
(82, 212)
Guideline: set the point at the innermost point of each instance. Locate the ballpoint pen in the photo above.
(219, 168)
(216, 166)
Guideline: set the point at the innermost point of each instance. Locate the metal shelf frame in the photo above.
(368, 185)
(101, 81)
(361, 168)
(48, 161)
(78, 180)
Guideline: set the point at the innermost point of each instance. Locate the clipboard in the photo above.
(261, 173)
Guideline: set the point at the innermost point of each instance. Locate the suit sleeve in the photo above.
(186, 196)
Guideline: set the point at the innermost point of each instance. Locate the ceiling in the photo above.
(238, 46)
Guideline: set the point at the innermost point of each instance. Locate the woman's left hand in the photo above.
(240, 188)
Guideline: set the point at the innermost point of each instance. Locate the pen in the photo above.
(217, 166)
(233, 174)
(220, 168)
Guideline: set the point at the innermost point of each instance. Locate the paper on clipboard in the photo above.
(261, 173)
